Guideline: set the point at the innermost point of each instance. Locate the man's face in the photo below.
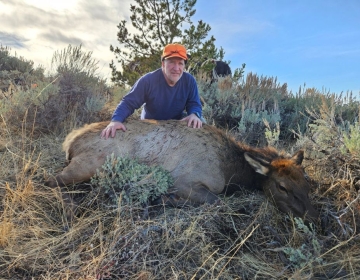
(173, 69)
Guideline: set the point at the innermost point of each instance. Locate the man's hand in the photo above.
(110, 130)
(193, 120)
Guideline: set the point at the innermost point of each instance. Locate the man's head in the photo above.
(173, 62)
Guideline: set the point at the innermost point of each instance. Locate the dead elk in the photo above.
(203, 162)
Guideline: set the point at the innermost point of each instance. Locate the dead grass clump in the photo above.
(6, 231)
(243, 237)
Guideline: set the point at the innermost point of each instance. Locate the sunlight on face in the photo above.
(173, 69)
(53, 5)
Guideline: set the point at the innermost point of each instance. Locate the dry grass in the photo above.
(243, 237)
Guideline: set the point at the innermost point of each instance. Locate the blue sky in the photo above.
(314, 42)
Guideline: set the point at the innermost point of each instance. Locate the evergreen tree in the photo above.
(158, 23)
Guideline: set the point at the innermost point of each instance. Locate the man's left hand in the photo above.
(193, 121)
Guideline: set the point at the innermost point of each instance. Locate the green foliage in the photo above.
(221, 106)
(324, 129)
(33, 109)
(316, 107)
(251, 119)
(307, 254)
(82, 92)
(136, 183)
(157, 24)
(8, 106)
(93, 104)
(118, 92)
(253, 125)
(73, 59)
(331, 143)
(271, 135)
(238, 74)
(76, 95)
(243, 106)
(17, 73)
(10, 63)
(352, 140)
(78, 77)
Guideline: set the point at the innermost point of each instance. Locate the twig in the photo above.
(47, 86)
(344, 211)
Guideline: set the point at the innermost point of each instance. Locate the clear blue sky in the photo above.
(314, 42)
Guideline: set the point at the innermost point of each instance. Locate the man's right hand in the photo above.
(110, 130)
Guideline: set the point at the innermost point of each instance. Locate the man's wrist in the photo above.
(197, 114)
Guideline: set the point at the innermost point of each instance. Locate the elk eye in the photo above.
(283, 189)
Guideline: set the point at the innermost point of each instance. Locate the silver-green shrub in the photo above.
(254, 125)
(352, 140)
(271, 135)
(135, 182)
(309, 253)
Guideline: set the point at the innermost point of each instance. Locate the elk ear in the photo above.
(260, 166)
(298, 157)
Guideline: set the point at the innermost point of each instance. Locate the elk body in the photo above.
(203, 162)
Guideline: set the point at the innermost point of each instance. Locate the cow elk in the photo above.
(203, 162)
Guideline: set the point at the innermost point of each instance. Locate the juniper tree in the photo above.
(158, 23)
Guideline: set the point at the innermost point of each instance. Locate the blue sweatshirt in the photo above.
(161, 101)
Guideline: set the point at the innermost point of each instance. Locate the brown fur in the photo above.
(203, 162)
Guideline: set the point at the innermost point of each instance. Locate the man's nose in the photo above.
(177, 66)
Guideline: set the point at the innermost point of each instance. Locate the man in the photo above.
(165, 94)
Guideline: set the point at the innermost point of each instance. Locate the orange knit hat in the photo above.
(174, 50)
